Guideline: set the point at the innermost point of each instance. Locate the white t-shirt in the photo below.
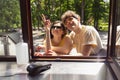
(88, 35)
(118, 41)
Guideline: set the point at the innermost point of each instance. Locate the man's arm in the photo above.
(87, 50)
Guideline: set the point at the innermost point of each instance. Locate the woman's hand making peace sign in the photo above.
(47, 22)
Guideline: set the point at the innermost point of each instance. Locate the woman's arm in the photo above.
(65, 48)
(48, 41)
(47, 25)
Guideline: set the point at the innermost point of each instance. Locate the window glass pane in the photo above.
(93, 13)
(10, 26)
(117, 49)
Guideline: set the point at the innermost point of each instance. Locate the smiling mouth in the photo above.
(72, 25)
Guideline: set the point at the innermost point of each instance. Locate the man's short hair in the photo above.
(69, 13)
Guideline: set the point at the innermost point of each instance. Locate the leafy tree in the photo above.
(92, 12)
(9, 14)
(98, 12)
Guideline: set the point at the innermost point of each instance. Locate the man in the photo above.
(86, 39)
(117, 49)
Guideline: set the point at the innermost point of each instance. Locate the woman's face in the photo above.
(57, 30)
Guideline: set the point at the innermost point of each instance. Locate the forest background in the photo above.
(92, 12)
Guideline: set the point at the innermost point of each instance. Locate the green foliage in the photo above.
(92, 12)
(103, 26)
(9, 14)
(99, 12)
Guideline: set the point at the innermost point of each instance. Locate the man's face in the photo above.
(71, 23)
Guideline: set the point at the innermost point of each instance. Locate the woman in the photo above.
(57, 41)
